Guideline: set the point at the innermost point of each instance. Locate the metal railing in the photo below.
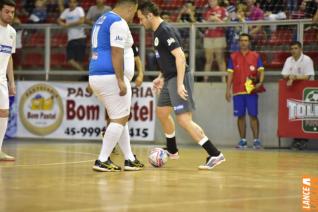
(193, 28)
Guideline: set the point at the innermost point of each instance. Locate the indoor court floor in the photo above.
(58, 176)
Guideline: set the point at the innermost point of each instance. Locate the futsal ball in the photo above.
(157, 157)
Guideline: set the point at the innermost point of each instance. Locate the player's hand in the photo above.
(292, 77)
(182, 92)
(228, 96)
(157, 85)
(122, 88)
(139, 80)
(12, 89)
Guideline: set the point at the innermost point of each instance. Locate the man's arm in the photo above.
(10, 75)
(77, 23)
(181, 66)
(140, 72)
(118, 64)
(229, 86)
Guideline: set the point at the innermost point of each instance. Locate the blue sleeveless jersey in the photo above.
(101, 60)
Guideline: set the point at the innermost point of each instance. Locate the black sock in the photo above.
(210, 148)
(171, 145)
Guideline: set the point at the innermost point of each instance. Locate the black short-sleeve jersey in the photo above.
(166, 39)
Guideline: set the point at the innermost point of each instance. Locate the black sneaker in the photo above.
(135, 165)
(107, 166)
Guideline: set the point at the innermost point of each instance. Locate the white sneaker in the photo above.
(5, 157)
(211, 162)
(174, 156)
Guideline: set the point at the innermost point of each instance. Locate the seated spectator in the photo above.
(310, 8)
(292, 6)
(300, 13)
(95, 11)
(214, 40)
(274, 10)
(306, 9)
(187, 13)
(39, 13)
(298, 67)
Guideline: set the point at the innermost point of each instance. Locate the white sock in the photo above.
(111, 137)
(124, 144)
(3, 129)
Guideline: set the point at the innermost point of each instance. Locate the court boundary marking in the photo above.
(49, 164)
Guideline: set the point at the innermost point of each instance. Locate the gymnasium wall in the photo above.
(215, 116)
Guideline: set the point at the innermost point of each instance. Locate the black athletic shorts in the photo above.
(169, 95)
(76, 50)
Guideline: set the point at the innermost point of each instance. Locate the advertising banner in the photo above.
(64, 110)
(298, 110)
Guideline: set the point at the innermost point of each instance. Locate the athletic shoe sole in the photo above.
(209, 168)
(97, 168)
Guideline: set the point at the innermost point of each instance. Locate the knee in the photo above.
(253, 118)
(162, 115)
(4, 113)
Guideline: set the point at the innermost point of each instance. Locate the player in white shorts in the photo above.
(7, 48)
(110, 70)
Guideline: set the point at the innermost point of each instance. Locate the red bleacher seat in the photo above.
(33, 60)
(58, 60)
(59, 40)
(313, 56)
(34, 39)
(277, 60)
(311, 36)
(281, 37)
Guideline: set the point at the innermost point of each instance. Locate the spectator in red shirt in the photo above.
(242, 65)
(214, 41)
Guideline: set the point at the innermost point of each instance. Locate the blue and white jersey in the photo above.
(110, 30)
(7, 47)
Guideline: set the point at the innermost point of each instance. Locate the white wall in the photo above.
(215, 116)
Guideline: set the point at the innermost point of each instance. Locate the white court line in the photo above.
(51, 164)
(174, 204)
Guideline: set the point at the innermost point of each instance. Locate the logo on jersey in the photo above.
(5, 49)
(252, 68)
(119, 38)
(41, 109)
(171, 41)
(156, 42)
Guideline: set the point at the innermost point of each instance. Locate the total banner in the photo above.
(298, 110)
(64, 110)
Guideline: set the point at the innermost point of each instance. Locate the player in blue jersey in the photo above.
(110, 70)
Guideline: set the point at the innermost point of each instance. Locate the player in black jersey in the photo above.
(174, 85)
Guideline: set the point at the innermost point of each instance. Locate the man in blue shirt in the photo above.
(110, 70)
